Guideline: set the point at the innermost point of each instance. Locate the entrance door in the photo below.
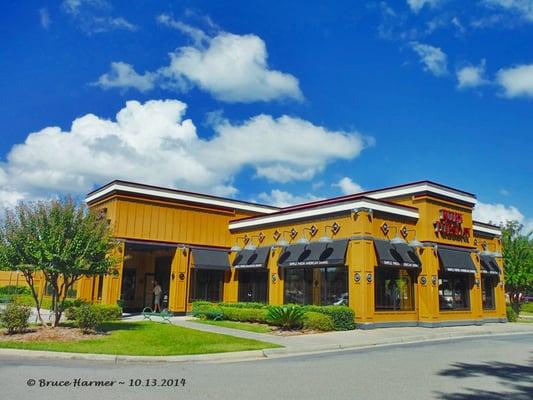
(148, 299)
(162, 276)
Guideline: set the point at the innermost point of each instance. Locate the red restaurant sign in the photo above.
(450, 225)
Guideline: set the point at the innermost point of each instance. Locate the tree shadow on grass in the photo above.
(121, 326)
(517, 378)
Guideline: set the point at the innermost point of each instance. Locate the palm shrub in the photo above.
(286, 317)
(15, 318)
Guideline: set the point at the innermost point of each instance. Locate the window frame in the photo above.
(408, 273)
(454, 278)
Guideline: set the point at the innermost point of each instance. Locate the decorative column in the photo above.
(428, 287)
(361, 261)
(275, 281)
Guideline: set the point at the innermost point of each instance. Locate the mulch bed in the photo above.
(59, 334)
(281, 332)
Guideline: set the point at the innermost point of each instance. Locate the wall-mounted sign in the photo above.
(450, 226)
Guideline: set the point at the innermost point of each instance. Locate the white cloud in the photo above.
(496, 213)
(523, 8)
(471, 76)
(516, 81)
(280, 198)
(198, 35)
(433, 58)
(93, 16)
(347, 186)
(154, 143)
(232, 68)
(499, 214)
(504, 192)
(417, 5)
(123, 76)
(44, 18)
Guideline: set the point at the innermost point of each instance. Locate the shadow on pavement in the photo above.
(518, 378)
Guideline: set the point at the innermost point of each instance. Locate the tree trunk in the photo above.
(514, 298)
(28, 276)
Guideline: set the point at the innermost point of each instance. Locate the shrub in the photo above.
(214, 314)
(343, 317)
(206, 310)
(245, 314)
(108, 312)
(244, 305)
(318, 321)
(73, 303)
(286, 317)
(511, 314)
(15, 318)
(88, 318)
(14, 290)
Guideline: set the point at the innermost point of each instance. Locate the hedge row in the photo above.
(14, 290)
(107, 312)
(338, 318)
(343, 317)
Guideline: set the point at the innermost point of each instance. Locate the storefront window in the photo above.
(253, 285)
(488, 285)
(207, 285)
(394, 289)
(333, 286)
(454, 291)
(319, 286)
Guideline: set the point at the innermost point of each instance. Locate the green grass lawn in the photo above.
(148, 339)
(245, 326)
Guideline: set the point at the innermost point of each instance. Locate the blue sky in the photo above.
(269, 101)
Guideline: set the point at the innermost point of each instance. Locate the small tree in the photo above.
(518, 262)
(59, 239)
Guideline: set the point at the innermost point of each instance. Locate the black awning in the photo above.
(489, 265)
(456, 260)
(252, 258)
(210, 259)
(396, 255)
(314, 255)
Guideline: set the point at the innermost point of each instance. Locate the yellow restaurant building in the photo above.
(408, 255)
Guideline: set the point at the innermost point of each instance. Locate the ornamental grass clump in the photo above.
(286, 317)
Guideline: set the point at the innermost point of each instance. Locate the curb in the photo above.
(119, 359)
(335, 348)
(251, 355)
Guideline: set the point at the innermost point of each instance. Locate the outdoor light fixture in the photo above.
(369, 211)
(486, 251)
(415, 243)
(282, 242)
(326, 238)
(236, 248)
(303, 240)
(250, 245)
(396, 239)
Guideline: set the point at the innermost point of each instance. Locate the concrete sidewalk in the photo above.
(358, 338)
